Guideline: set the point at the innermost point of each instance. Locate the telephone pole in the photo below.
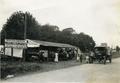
(25, 36)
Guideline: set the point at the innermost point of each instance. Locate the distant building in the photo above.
(104, 44)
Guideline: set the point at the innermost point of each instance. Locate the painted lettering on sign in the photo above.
(11, 43)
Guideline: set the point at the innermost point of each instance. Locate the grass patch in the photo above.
(17, 68)
(14, 68)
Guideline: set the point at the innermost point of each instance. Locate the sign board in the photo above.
(11, 43)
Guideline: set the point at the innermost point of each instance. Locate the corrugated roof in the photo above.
(51, 44)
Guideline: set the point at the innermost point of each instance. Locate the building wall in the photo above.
(16, 52)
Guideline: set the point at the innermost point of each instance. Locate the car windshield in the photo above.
(100, 48)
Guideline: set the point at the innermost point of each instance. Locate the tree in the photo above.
(68, 31)
(66, 35)
(14, 28)
(82, 40)
(86, 42)
(49, 33)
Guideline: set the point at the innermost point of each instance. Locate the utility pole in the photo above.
(25, 29)
(0, 38)
(4, 40)
(25, 26)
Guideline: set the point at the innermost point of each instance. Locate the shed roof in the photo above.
(49, 44)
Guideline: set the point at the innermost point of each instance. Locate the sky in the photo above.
(97, 18)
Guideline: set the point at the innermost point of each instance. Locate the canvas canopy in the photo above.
(38, 43)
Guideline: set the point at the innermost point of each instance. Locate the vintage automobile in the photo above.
(102, 55)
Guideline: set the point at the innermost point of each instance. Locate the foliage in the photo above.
(14, 28)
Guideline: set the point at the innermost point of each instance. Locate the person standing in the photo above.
(79, 55)
(91, 56)
(109, 51)
(87, 58)
(109, 54)
(40, 56)
(45, 55)
(56, 57)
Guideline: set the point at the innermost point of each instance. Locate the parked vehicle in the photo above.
(101, 54)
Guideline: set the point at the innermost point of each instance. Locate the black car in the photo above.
(101, 54)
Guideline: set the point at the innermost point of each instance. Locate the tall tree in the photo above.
(15, 26)
(49, 32)
(86, 42)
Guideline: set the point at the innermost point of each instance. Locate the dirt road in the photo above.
(88, 73)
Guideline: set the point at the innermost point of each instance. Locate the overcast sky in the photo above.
(98, 18)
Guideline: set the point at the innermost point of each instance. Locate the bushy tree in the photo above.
(15, 26)
(49, 33)
(86, 42)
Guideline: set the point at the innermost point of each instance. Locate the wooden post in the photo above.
(4, 50)
(25, 36)
(12, 53)
(48, 56)
(24, 56)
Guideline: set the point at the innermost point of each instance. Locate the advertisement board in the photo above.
(12, 43)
